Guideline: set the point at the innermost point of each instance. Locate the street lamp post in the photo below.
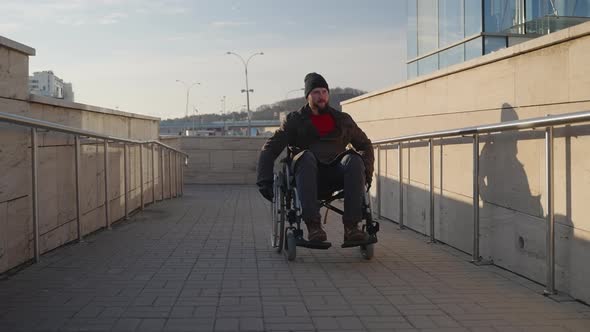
(188, 89)
(245, 62)
(223, 131)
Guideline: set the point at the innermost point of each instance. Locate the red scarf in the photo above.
(324, 123)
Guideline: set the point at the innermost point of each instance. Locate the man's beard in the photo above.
(323, 109)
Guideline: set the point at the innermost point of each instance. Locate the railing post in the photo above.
(176, 191)
(170, 173)
(126, 185)
(142, 201)
(476, 256)
(77, 166)
(550, 288)
(153, 173)
(378, 182)
(179, 170)
(162, 171)
(182, 163)
(401, 184)
(35, 191)
(106, 185)
(431, 182)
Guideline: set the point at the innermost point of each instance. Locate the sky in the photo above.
(129, 54)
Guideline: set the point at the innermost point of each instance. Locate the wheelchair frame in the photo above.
(286, 207)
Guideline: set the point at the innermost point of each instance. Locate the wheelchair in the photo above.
(286, 212)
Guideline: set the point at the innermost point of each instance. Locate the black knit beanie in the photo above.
(314, 80)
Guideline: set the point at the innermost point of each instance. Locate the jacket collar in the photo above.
(306, 110)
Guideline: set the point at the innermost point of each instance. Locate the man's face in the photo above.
(318, 98)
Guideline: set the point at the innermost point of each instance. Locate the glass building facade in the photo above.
(442, 33)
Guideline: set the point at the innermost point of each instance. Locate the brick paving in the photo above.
(203, 263)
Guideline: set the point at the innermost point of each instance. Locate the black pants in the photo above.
(316, 180)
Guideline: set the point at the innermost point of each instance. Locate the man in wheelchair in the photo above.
(318, 135)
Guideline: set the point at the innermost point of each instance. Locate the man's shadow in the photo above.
(502, 177)
(506, 193)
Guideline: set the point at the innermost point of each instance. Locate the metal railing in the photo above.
(548, 123)
(36, 124)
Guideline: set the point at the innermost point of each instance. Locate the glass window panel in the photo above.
(499, 15)
(473, 49)
(579, 8)
(492, 44)
(412, 70)
(428, 64)
(452, 56)
(412, 29)
(427, 26)
(517, 40)
(472, 17)
(450, 22)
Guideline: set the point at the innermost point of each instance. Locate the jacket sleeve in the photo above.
(364, 147)
(270, 151)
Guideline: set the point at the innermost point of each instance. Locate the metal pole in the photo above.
(170, 173)
(35, 191)
(183, 162)
(153, 173)
(162, 171)
(188, 89)
(378, 181)
(178, 173)
(431, 169)
(125, 170)
(106, 185)
(550, 288)
(176, 184)
(142, 200)
(476, 257)
(401, 184)
(77, 164)
(248, 103)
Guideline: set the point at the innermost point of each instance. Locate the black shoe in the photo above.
(353, 234)
(315, 233)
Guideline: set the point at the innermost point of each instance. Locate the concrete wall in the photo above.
(221, 160)
(57, 215)
(548, 75)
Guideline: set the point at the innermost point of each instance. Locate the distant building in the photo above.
(442, 33)
(45, 83)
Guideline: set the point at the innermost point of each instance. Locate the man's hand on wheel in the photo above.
(265, 189)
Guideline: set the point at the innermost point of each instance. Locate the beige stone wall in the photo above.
(549, 75)
(221, 160)
(57, 214)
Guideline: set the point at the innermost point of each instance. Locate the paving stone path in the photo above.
(203, 263)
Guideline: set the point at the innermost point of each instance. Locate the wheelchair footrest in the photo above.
(312, 244)
(350, 244)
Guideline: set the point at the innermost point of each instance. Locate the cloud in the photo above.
(6, 28)
(112, 18)
(71, 21)
(229, 24)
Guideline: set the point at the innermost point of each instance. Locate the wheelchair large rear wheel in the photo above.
(278, 217)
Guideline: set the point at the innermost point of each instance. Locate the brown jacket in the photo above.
(299, 133)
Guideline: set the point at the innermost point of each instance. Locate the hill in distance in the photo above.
(272, 111)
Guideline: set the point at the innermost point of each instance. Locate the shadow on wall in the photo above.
(512, 217)
(502, 178)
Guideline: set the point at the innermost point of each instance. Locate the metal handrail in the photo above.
(41, 124)
(174, 156)
(548, 123)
